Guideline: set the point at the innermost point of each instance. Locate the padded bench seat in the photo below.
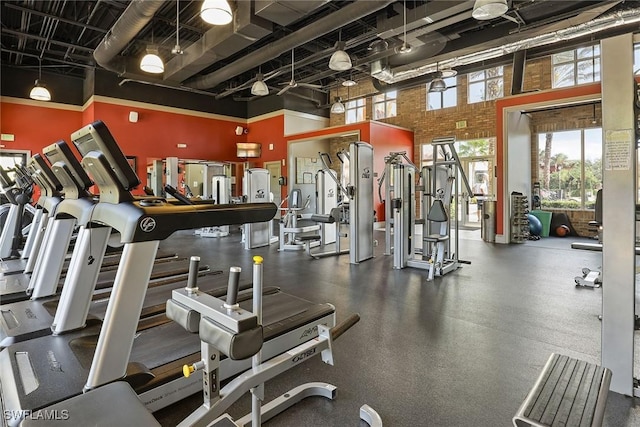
(436, 238)
(569, 393)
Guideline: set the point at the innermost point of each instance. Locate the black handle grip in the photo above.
(344, 326)
(232, 288)
(175, 193)
(194, 267)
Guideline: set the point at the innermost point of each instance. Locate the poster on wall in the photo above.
(306, 169)
(618, 145)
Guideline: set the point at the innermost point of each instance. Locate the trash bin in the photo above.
(488, 224)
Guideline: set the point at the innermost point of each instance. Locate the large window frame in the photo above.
(575, 67)
(564, 173)
(485, 85)
(385, 105)
(445, 99)
(355, 110)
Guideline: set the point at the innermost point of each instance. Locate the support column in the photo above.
(618, 208)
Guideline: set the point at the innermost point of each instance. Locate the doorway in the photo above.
(275, 173)
(479, 172)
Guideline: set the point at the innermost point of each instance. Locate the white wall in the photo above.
(518, 162)
(305, 149)
(295, 122)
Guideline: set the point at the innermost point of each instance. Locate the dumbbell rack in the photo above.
(519, 219)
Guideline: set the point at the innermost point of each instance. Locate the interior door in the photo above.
(275, 172)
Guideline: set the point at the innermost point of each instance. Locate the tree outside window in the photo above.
(446, 99)
(485, 85)
(355, 110)
(384, 105)
(577, 66)
(570, 168)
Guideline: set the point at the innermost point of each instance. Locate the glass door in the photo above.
(479, 172)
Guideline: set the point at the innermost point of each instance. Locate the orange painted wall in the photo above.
(36, 127)
(157, 133)
(269, 131)
(501, 104)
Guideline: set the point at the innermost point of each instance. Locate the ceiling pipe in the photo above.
(310, 32)
(131, 22)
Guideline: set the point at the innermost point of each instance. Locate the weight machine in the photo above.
(439, 254)
(289, 228)
(357, 173)
(256, 188)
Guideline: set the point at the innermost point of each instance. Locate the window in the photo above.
(636, 58)
(446, 99)
(355, 110)
(384, 105)
(576, 66)
(485, 85)
(570, 168)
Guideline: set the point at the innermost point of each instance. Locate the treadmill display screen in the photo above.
(61, 152)
(96, 137)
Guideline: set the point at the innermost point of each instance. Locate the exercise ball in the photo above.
(535, 226)
(563, 230)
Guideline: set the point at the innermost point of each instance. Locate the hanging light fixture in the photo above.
(406, 47)
(340, 60)
(39, 91)
(438, 84)
(259, 87)
(216, 12)
(338, 106)
(483, 10)
(151, 62)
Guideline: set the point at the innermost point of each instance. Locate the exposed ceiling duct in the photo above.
(219, 42)
(133, 19)
(540, 36)
(310, 32)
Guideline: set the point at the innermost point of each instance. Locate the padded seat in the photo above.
(309, 238)
(436, 238)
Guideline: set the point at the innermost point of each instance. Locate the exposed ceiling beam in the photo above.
(59, 18)
(46, 40)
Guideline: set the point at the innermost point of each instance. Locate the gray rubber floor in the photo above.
(462, 350)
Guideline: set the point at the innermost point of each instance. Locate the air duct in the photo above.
(130, 23)
(609, 21)
(346, 15)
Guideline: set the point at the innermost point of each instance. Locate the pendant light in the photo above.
(259, 87)
(216, 12)
(151, 62)
(437, 84)
(340, 60)
(39, 91)
(406, 47)
(338, 106)
(483, 10)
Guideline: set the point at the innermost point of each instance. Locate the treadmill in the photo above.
(151, 359)
(18, 192)
(51, 262)
(27, 319)
(49, 198)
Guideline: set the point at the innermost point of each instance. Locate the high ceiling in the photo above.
(63, 34)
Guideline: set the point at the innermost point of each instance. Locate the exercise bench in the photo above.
(569, 393)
